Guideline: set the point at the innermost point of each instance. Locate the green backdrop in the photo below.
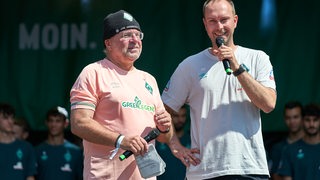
(46, 43)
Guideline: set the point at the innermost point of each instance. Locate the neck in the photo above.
(6, 137)
(55, 140)
(294, 136)
(124, 66)
(312, 139)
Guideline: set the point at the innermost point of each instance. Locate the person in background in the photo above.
(57, 158)
(17, 157)
(21, 129)
(293, 120)
(226, 132)
(301, 160)
(114, 105)
(174, 168)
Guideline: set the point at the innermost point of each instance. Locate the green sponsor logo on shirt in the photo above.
(67, 156)
(137, 104)
(44, 155)
(300, 154)
(19, 154)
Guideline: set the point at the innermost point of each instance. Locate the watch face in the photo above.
(244, 67)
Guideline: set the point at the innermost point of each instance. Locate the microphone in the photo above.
(226, 63)
(154, 133)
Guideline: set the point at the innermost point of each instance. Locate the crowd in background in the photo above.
(53, 158)
(295, 155)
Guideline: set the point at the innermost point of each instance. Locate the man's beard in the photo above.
(180, 128)
(311, 133)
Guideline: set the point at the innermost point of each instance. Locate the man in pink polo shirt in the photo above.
(113, 104)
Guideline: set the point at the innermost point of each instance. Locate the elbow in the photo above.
(269, 107)
(74, 128)
(270, 102)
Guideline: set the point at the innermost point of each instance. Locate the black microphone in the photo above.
(154, 133)
(226, 63)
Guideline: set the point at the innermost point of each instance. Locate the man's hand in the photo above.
(136, 144)
(186, 156)
(163, 121)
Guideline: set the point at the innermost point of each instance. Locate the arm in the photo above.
(185, 155)
(84, 126)
(164, 123)
(261, 96)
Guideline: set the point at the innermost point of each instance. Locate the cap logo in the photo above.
(127, 16)
(62, 111)
(121, 20)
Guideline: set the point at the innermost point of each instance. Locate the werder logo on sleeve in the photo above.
(149, 88)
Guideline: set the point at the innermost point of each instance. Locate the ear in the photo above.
(107, 44)
(235, 20)
(66, 123)
(25, 135)
(204, 23)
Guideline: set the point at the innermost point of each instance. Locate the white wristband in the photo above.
(118, 143)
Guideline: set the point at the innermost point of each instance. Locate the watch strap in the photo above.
(242, 68)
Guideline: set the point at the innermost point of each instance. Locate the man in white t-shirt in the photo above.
(226, 137)
(114, 105)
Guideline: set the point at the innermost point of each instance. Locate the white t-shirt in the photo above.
(225, 124)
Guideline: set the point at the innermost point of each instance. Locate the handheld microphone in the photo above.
(154, 133)
(226, 63)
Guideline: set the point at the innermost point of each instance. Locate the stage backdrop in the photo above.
(45, 44)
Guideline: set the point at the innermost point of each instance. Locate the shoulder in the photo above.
(295, 146)
(196, 61)
(249, 54)
(300, 142)
(25, 146)
(41, 145)
(95, 66)
(242, 49)
(197, 57)
(91, 72)
(71, 146)
(24, 143)
(145, 73)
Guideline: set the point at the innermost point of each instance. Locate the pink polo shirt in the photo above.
(124, 102)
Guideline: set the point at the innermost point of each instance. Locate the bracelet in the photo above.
(117, 145)
(118, 141)
(163, 132)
